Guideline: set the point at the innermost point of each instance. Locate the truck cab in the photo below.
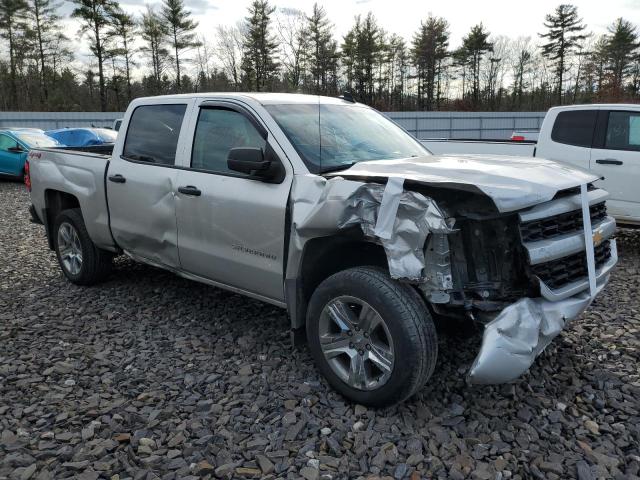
(604, 139)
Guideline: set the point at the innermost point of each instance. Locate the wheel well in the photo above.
(325, 256)
(55, 202)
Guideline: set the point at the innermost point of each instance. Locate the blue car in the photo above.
(83, 137)
(15, 145)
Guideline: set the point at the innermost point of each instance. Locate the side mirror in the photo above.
(247, 160)
(259, 165)
(16, 149)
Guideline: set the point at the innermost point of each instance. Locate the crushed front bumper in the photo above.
(520, 332)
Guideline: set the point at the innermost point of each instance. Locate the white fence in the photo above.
(424, 125)
(474, 125)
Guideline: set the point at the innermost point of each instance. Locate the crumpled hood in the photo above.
(513, 183)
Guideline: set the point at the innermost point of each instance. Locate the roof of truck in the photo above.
(614, 106)
(263, 98)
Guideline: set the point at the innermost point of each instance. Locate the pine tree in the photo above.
(429, 49)
(124, 30)
(259, 60)
(361, 50)
(95, 17)
(322, 52)
(621, 49)
(47, 32)
(474, 46)
(181, 28)
(154, 34)
(13, 25)
(564, 34)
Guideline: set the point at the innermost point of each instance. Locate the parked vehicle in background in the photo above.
(83, 137)
(325, 207)
(604, 139)
(116, 124)
(525, 135)
(15, 145)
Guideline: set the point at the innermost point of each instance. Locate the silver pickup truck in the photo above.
(326, 208)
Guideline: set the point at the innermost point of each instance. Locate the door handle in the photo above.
(190, 190)
(117, 178)
(609, 161)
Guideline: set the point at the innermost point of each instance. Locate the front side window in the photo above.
(623, 131)
(6, 143)
(153, 133)
(575, 127)
(219, 130)
(334, 137)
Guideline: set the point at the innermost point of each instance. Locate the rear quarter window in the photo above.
(153, 132)
(575, 127)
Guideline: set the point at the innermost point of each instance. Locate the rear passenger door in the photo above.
(141, 183)
(231, 228)
(616, 157)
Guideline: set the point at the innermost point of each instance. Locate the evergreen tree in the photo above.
(124, 29)
(360, 52)
(259, 60)
(322, 52)
(429, 49)
(47, 33)
(12, 26)
(154, 34)
(181, 28)
(95, 18)
(621, 50)
(564, 34)
(474, 46)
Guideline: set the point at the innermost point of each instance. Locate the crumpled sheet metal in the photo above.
(512, 341)
(399, 220)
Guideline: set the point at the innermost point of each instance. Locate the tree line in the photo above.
(287, 50)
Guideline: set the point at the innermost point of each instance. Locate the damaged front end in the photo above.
(522, 272)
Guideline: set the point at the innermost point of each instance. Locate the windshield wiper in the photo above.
(336, 168)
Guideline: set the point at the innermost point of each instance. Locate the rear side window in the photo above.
(575, 127)
(623, 131)
(153, 133)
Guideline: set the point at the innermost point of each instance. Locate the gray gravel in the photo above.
(152, 376)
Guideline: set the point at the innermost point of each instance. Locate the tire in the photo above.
(70, 237)
(375, 367)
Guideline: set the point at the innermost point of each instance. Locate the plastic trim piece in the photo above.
(554, 248)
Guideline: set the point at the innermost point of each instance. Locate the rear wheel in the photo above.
(80, 260)
(371, 336)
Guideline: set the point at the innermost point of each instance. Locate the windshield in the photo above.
(37, 140)
(332, 137)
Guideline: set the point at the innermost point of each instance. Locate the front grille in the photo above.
(558, 273)
(561, 224)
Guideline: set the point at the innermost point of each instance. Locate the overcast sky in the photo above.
(512, 18)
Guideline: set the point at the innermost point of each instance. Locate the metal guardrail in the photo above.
(478, 125)
(423, 125)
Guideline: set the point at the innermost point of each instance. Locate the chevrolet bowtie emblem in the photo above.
(597, 238)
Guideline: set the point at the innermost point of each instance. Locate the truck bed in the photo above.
(79, 172)
(480, 147)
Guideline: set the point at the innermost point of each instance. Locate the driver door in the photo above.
(231, 228)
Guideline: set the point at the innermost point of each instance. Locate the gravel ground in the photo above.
(152, 376)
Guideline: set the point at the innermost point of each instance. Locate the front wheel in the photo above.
(372, 337)
(81, 261)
